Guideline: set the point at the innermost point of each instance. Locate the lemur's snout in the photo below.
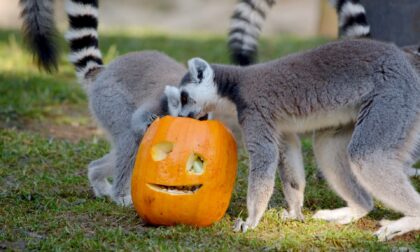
(195, 115)
(190, 114)
(204, 117)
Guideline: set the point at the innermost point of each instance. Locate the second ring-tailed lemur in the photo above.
(248, 18)
(124, 97)
(361, 97)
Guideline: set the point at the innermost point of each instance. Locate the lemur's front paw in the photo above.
(151, 117)
(147, 119)
(240, 226)
(243, 226)
(122, 200)
(292, 215)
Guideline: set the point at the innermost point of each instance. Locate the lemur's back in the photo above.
(141, 75)
(337, 74)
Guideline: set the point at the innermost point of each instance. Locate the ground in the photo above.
(47, 138)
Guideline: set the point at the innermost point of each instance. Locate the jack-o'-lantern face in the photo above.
(184, 172)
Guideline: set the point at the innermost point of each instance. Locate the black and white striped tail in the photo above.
(245, 28)
(83, 36)
(352, 19)
(39, 31)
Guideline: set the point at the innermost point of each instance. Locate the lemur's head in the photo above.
(198, 90)
(172, 100)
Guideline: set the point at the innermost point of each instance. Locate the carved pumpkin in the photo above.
(184, 172)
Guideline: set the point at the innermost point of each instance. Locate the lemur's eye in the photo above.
(184, 98)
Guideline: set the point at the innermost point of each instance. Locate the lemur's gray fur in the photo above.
(124, 97)
(362, 99)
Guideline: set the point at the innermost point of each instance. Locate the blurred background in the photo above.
(300, 17)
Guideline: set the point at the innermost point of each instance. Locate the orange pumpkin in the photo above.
(184, 172)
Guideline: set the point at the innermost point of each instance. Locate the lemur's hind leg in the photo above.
(126, 149)
(262, 145)
(381, 146)
(98, 173)
(292, 174)
(384, 177)
(114, 110)
(330, 148)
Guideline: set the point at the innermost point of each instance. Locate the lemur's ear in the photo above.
(200, 70)
(173, 94)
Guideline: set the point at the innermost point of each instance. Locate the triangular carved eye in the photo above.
(195, 164)
(161, 150)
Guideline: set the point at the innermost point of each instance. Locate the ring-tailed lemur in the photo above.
(362, 98)
(249, 15)
(125, 96)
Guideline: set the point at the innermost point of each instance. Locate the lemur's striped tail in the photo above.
(249, 15)
(352, 19)
(83, 37)
(245, 29)
(39, 31)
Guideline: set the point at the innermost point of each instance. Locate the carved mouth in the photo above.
(178, 190)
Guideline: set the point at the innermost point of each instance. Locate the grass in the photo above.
(47, 139)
